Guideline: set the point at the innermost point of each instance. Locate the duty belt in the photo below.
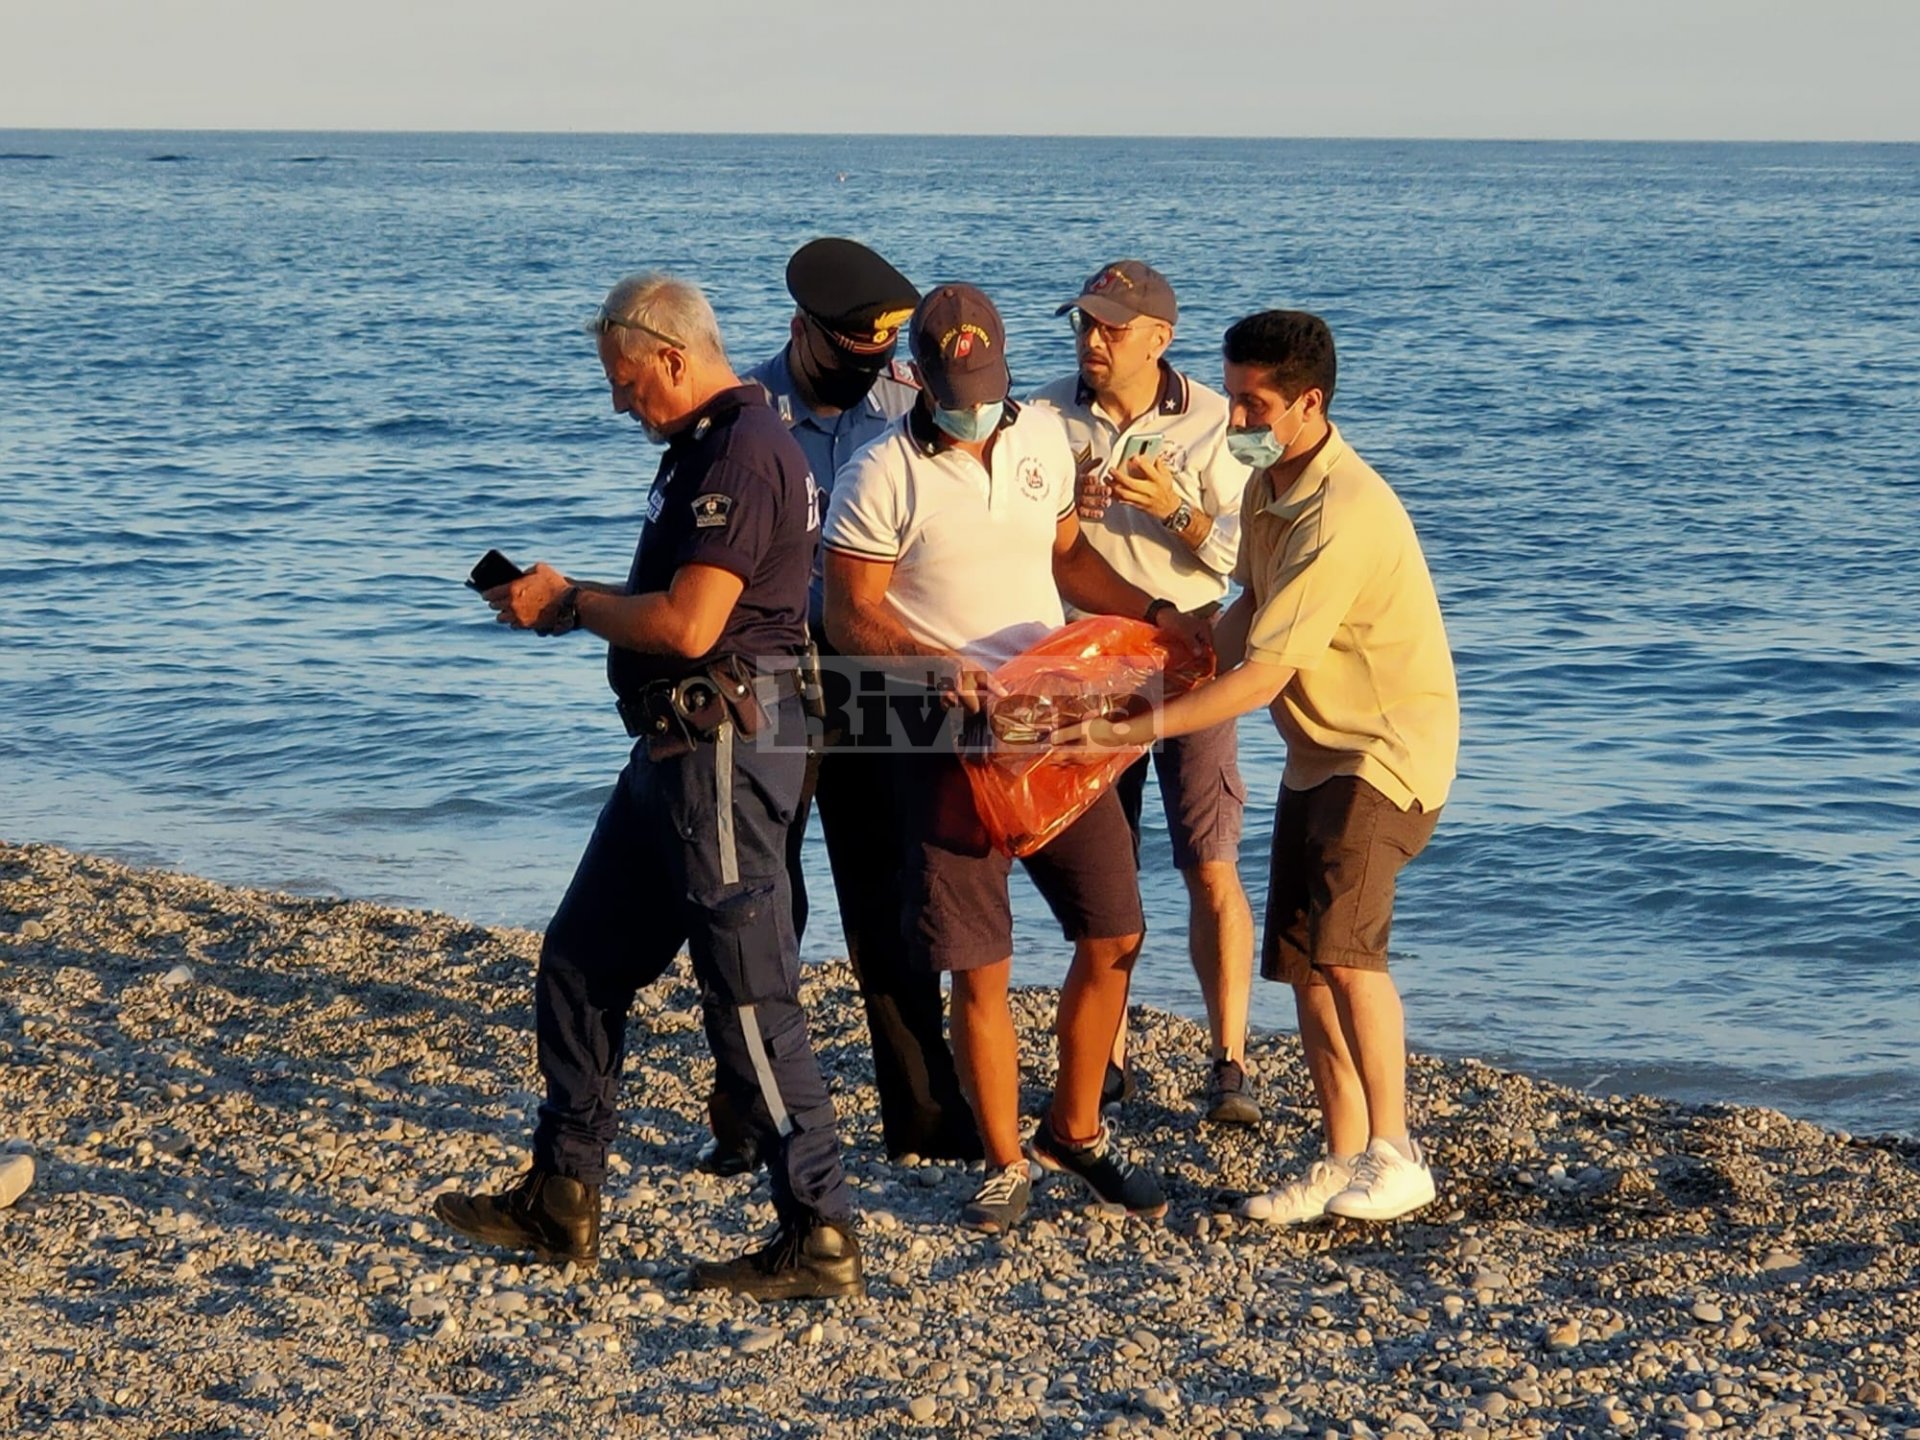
(671, 714)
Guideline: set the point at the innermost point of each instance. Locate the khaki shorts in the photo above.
(1337, 851)
(1200, 790)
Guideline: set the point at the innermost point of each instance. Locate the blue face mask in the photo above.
(1256, 446)
(972, 425)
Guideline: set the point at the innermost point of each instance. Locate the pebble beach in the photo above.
(230, 1110)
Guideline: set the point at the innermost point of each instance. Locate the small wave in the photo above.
(168, 159)
(26, 155)
(408, 425)
(308, 160)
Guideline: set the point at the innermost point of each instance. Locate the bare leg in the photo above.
(1336, 1080)
(1220, 943)
(1093, 1002)
(988, 1058)
(1375, 1028)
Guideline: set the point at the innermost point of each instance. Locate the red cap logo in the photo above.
(963, 346)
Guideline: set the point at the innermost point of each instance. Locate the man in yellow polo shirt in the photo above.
(1338, 631)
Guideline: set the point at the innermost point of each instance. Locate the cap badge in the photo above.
(957, 343)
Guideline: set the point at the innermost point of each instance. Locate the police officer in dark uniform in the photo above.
(691, 847)
(835, 386)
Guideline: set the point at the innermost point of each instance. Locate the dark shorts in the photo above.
(1337, 850)
(1201, 791)
(958, 915)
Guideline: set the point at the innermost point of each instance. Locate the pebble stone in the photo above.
(16, 1177)
(230, 1230)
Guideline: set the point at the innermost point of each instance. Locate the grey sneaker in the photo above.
(1228, 1100)
(1117, 1181)
(996, 1207)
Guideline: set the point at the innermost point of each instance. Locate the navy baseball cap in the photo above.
(961, 347)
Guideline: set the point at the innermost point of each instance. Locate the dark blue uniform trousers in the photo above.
(689, 850)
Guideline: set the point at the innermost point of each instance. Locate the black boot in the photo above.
(554, 1216)
(807, 1259)
(733, 1149)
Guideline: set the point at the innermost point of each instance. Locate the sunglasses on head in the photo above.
(602, 322)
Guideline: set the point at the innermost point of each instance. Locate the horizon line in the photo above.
(947, 135)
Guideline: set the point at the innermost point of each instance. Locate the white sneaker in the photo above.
(1299, 1200)
(1385, 1185)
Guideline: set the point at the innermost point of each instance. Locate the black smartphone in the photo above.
(493, 569)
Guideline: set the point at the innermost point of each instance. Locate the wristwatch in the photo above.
(1155, 606)
(1180, 519)
(566, 615)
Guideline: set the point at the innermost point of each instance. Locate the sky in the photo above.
(1506, 69)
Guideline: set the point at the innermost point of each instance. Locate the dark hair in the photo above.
(1293, 347)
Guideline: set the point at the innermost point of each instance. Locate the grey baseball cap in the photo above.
(1120, 293)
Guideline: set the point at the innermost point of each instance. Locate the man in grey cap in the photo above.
(836, 387)
(1169, 520)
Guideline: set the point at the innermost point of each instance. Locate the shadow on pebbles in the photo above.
(240, 1105)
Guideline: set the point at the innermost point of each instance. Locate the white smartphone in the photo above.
(1144, 447)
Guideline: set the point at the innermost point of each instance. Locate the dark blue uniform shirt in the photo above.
(733, 491)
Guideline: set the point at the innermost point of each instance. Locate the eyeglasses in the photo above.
(1084, 324)
(602, 322)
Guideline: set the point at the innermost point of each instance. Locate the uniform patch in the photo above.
(1033, 478)
(712, 511)
(656, 502)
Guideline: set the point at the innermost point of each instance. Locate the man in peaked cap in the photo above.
(835, 386)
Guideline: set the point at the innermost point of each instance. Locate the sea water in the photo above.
(1655, 410)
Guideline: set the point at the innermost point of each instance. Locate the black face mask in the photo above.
(835, 378)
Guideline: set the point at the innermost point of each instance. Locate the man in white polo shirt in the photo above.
(953, 537)
(1169, 521)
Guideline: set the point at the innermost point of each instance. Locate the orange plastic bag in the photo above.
(1027, 793)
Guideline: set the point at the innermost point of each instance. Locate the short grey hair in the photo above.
(656, 308)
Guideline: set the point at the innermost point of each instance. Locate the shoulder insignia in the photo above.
(902, 374)
(712, 511)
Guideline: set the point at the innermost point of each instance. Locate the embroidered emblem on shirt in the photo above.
(711, 511)
(1033, 478)
(656, 502)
